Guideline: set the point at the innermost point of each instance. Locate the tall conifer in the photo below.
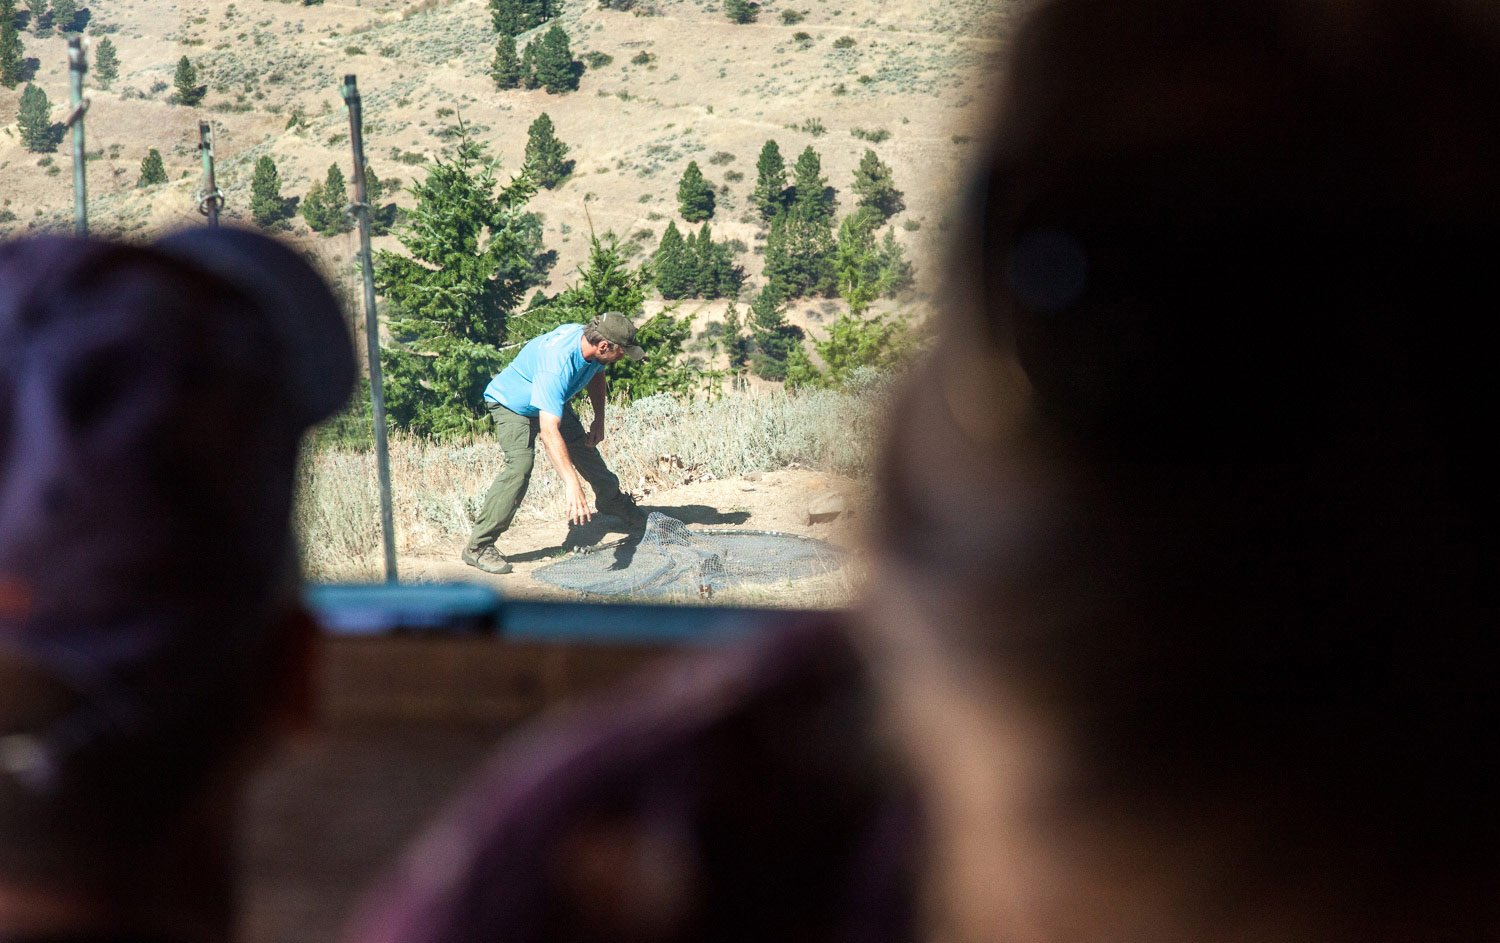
(556, 69)
(876, 187)
(546, 156)
(769, 195)
(674, 268)
(153, 171)
(811, 187)
(34, 121)
(266, 204)
(106, 63)
(695, 198)
(12, 53)
(506, 67)
(185, 81)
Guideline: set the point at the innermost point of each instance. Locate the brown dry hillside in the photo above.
(705, 90)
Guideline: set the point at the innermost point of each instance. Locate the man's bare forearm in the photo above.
(598, 391)
(557, 449)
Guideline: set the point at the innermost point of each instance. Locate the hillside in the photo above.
(684, 84)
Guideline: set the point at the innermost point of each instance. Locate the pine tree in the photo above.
(153, 171)
(556, 69)
(895, 271)
(741, 11)
(505, 15)
(856, 261)
(381, 217)
(64, 12)
(537, 12)
(314, 208)
(854, 342)
(470, 255)
(736, 344)
(695, 198)
(799, 253)
(185, 80)
(876, 187)
(674, 267)
(326, 205)
(607, 283)
(514, 17)
(34, 120)
(800, 370)
(716, 274)
(506, 67)
(774, 337)
(529, 57)
(38, 10)
(769, 195)
(106, 63)
(810, 187)
(266, 204)
(12, 53)
(546, 156)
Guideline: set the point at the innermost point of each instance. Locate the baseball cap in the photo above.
(152, 404)
(620, 331)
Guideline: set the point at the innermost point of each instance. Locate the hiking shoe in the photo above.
(489, 560)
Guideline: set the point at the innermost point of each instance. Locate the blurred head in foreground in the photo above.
(1188, 593)
(151, 404)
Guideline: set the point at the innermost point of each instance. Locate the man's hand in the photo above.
(578, 505)
(595, 433)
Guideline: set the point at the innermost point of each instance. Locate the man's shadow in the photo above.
(624, 543)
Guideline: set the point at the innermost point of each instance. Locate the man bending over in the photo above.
(529, 400)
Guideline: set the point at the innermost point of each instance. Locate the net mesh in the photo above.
(671, 559)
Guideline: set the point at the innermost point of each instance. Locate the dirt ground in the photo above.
(774, 501)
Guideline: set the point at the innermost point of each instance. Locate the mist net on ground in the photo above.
(670, 559)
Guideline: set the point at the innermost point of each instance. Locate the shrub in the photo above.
(844, 42)
(790, 17)
(643, 58)
(873, 135)
(597, 60)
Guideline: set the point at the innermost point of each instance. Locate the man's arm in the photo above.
(550, 433)
(598, 389)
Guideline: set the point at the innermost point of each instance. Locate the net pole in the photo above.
(361, 209)
(77, 66)
(211, 198)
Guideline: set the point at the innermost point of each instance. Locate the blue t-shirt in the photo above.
(547, 372)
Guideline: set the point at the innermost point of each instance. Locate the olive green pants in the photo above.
(517, 436)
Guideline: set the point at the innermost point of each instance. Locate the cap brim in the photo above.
(634, 352)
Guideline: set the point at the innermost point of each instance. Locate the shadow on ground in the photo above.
(605, 526)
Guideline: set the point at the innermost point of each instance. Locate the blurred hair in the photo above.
(1208, 388)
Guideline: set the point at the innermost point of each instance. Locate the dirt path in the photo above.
(775, 501)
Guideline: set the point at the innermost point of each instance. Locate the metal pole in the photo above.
(76, 67)
(210, 201)
(361, 209)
